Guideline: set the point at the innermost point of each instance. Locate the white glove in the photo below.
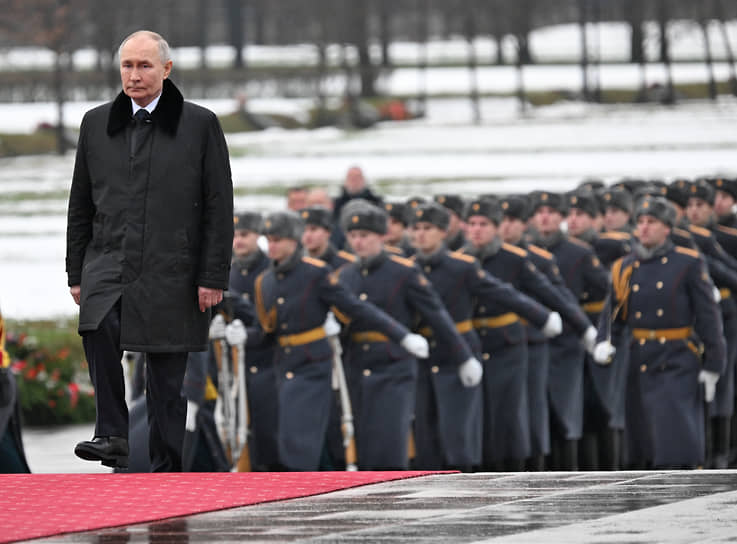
(717, 295)
(217, 327)
(553, 326)
(709, 379)
(235, 333)
(603, 353)
(471, 372)
(332, 327)
(589, 339)
(191, 422)
(416, 345)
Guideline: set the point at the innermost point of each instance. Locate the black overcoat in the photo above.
(149, 227)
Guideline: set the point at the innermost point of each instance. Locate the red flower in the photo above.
(52, 403)
(73, 394)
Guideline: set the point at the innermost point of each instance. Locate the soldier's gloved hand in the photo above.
(471, 372)
(717, 295)
(332, 327)
(603, 353)
(553, 326)
(235, 333)
(217, 327)
(416, 344)
(589, 339)
(190, 423)
(709, 379)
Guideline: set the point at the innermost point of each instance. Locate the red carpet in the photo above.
(38, 505)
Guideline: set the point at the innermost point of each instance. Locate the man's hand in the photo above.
(208, 297)
(75, 290)
(709, 379)
(416, 345)
(471, 372)
(603, 353)
(553, 326)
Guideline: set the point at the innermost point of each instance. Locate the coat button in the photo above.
(287, 350)
(364, 272)
(363, 296)
(428, 270)
(482, 309)
(635, 288)
(659, 285)
(642, 341)
(435, 369)
(284, 326)
(662, 340)
(483, 332)
(486, 356)
(280, 300)
(659, 313)
(637, 264)
(664, 260)
(289, 375)
(244, 272)
(366, 347)
(643, 368)
(366, 372)
(638, 315)
(253, 369)
(433, 344)
(280, 276)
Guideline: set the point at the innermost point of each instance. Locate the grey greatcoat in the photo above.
(149, 230)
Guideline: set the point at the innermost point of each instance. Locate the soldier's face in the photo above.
(315, 238)
(511, 229)
(651, 232)
(578, 222)
(698, 211)
(394, 231)
(547, 219)
(723, 203)
(280, 248)
(615, 219)
(245, 242)
(142, 72)
(365, 243)
(427, 238)
(480, 230)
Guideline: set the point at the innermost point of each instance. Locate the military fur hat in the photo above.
(727, 185)
(617, 197)
(590, 185)
(361, 214)
(658, 207)
(453, 203)
(701, 189)
(545, 198)
(585, 201)
(515, 206)
(319, 216)
(413, 202)
(397, 211)
(247, 221)
(486, 208)
(678, 192)
(286, 224)
(431, 212)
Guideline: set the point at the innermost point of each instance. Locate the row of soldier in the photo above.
(514, 377)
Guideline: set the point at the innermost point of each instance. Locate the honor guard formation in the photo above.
(588, 330)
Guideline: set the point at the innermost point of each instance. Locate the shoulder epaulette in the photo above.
(615, 235)
(347, 256)
(514, 249)
(402, 260)
(727, 230)
(313, 261)
(580, 242)
(701, 231)
(681, 232)
(462, 256)
(544, 253)
(393, 249)
(688, 251)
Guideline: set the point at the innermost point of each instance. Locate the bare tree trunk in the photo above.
(359, 33)
(663, 19)
(635, 16)
(202, 16)
(521, 94)
(704, 25)
(234, 14)
(596, 12)
(472, 61)
(59, 67)
(385, 34)
(582, 21)
(423, 30)
(719, 8)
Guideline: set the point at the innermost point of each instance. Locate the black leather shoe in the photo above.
(112, 451)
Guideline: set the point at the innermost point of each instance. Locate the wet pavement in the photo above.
(600, 507)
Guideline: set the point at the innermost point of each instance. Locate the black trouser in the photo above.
(167, 408)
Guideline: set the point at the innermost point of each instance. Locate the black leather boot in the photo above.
(111, 451)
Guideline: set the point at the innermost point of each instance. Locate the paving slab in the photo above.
(544, 507)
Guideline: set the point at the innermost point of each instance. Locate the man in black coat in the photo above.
(148, 245)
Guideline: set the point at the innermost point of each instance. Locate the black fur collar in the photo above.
(166, 115)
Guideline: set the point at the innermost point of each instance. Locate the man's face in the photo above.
(547, 220)
(615, 219)
(354, 180)
(142, 72)
(245, 242)
(315, 239)
(365, 243)
(427, 237)
(578, 222)
(698, 211)
(455, 224)
(296, 199)
(480, 230)
(651, 232)
(723, 203)
(511, 229)
(394, 231)
(280, 248)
